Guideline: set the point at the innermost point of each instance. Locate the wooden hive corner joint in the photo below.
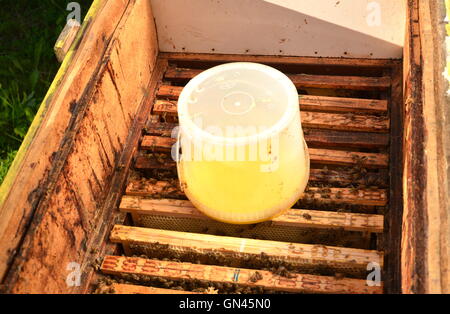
(66, 38)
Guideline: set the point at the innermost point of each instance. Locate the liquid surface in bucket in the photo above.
(244, 159)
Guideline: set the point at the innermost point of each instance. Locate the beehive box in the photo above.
(93, 179)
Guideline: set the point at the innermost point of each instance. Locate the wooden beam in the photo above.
(344, 177)
(304, 80)
(340, 82)
(323, 138)
(309, 102)
(300, 218)
(413, 262)
(341, 104)
(118, 265)
(221, 58)
(319, 156)
(157, 143)
(66, 38)
(304, 256)
(316, 137)
(436, 115)
(119, 288)
(343, 158)
(338, 177)
(370, 197)
(318, 120)
(344, 122)
(85, 79)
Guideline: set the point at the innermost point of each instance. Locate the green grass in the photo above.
(28, 31)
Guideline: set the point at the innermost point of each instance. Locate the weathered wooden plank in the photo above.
(120, 176)
(85, 138)
(304, 80)
(319, 156)
(168, 107)
(120, 288)
(301, 218)
(337, 177)
(315, 137)
(157, 143)
(345, 122)
(370, 197)
(341, 104)
(309, 102)
(117, 265)
(341, 82)
(339, 157)
(436, 114)
(319, 120)
(304, 256)
(34, 173)
(320, 138)
(169, 91)
(145, 163)
(222, 58)
(345, 177)
(66, 38)
(412, 263)
(151, 188)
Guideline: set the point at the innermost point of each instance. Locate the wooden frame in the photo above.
(61, 220)
(426, 232)
(48, 219)
(219, 274)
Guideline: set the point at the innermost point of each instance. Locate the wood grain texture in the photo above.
(91, 146)
(65, 39)
(120, 288)
(308, 102)
(437, 146)
(116, 265)
(29, 175)
(221, 58)
(318, 120)
(413, 248)
(425, 261)
(370, 197)
(393, 217)
(305, 80)
(314, 137)
(319, 156)
(305, 256)
(344, 122)
(301, 218)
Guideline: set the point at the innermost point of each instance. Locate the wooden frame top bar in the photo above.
(354, 62)
(301, 218)
(117, 265)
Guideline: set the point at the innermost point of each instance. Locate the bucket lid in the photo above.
(237, 103)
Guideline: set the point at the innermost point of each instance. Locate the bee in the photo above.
(307, 216)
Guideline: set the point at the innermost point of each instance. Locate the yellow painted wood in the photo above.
(37, 121)
(66, 39)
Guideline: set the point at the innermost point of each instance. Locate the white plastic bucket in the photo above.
(244, 158)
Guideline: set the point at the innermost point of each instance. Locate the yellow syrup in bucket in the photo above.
(243, 156)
